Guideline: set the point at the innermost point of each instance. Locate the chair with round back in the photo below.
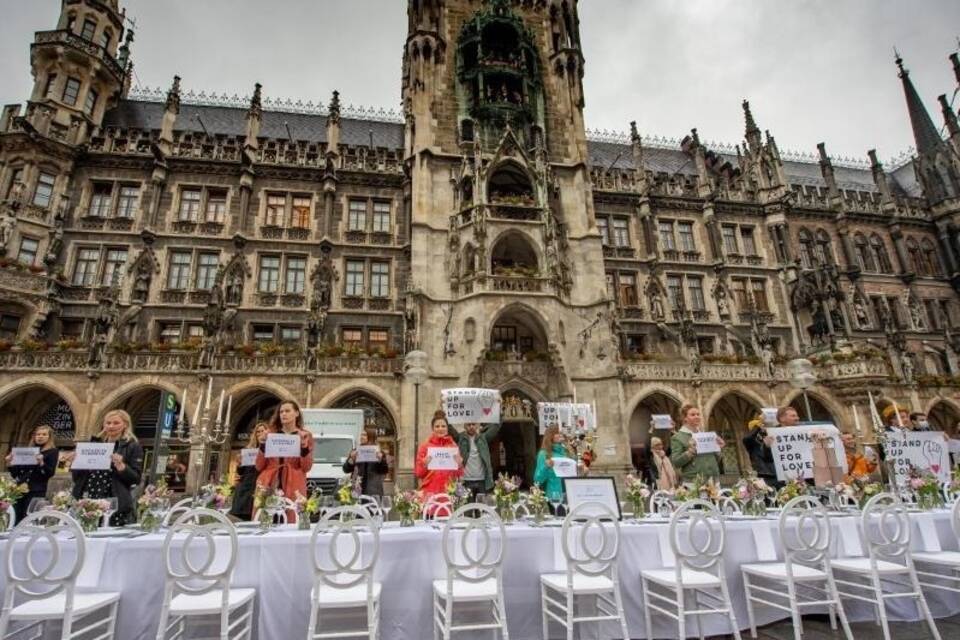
(439, 506)
(885, 526)
(178, 509)
(698, 542)
(661, 500)
(200, 552)
(590, 539)
(729, 507)
(805, 537)
(343, 569)
(43, 557)
(473, 544)
(371, 505)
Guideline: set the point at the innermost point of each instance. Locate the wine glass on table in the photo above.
(555, 498)
(111, 509)
(386, 503)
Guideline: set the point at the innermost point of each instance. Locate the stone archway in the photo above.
(729, 416)
(378, 419)
(640, 429)
(514, 450)
(250, 405)
(945, 416)
(32, 405)
(818, 409)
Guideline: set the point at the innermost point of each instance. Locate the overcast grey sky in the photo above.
(813, 70)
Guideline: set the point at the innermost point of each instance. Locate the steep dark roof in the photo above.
(231, 121)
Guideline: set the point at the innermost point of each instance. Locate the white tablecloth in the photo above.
(278, 565)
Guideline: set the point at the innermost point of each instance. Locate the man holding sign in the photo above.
(475, 450)
(689, 460)
(438, 459)
(368, 463)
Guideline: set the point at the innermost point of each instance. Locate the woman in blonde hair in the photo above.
(126, 467)
(35, 476)
(242, 507)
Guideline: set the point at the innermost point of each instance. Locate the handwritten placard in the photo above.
(92, 456)
(706, 442)
(442, 458)
(661, 421)
(923, 450)
(467, 405)
(282, 445)
(552, 414)
(24, 456)
(248, 457)
(793, 449)
(769, 416)
(583, 417)
(565, 467)
(367, 453)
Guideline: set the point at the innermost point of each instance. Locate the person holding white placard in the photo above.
(544, 476)
(35, 475)
(126, 467)
(433, 480)
(686, 460)
(287, 474)
(242, 507)
(758, 442)
(474, 445)
(371, 473)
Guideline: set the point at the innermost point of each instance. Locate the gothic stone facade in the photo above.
(151, 240)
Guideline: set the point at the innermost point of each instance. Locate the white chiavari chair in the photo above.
(886, 530)
(473, 544)
(42, 559)
(439, 506)
(177, 510)
(590, 540)
(371, 505)
(805, 536)
(343, 570)
(698, 541)
(927, 561)
(729, 507)
(199, 560)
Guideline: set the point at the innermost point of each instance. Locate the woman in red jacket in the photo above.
(287, 474)
(435, 480)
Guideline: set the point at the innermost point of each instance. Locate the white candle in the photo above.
(220, 407)
(229, 407)
(574, 395)
(896, 410)
(595, 414)
(183, 404)
(209, 391)
(856, 418)
(196, 413)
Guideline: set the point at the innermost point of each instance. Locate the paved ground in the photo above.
(818, 628)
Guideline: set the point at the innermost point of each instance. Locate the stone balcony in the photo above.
(743, 372)
(170, 362)
(67, 38)
(853, 370)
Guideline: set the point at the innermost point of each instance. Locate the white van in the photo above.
(335, 433)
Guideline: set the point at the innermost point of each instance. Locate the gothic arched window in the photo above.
(864, 256)
(880, 254)
(824, 248)
(931, 257)
(806, 249)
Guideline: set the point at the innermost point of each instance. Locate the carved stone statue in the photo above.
(766, 355)
(55, 245)
(315, 324)
(916, 318)
(411, 318)
(234, 294)
(103, 323)
(723, 307)
(141, 284)
(656, 306)
(7, 224)
(17, 192)
(323, 278)
(860, 313)
(907, 367)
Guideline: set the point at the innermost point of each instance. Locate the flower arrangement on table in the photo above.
(408, 504)
(89, 513)
(506, 493)
(793, 489)
(153, 504)
(637, 494)
(10, 492)
(267, 502)
(62, 501)
(865, 490)
(846, 494)
(349, 491)
(307, 507)
(537, 504)
(215, 496)
(926, 486)
(458, 492)
(698, 490)
(752, 492)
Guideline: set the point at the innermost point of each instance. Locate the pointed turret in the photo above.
(880, 178)
(949, 116)
(826, 168)
(924, 132)
(333, 124)
(752, 131)
(636, 145)
(254, 118)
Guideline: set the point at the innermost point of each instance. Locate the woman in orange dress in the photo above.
(287, 474)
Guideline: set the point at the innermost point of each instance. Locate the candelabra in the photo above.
(204, 429)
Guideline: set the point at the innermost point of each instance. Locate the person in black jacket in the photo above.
(371, 474)
(125, 469)
(242, 507)
(35, 476)
(757, 443)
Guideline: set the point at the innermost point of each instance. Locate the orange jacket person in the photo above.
(287, 474)
(435, 480)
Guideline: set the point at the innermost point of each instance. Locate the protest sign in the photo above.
(93, 456)
(463, 406)
(24, 456)
(442, 458)
(793, 449)
(565, 467)
(248, 457)
(923, 450)
(769, 416)
(282, 445)
(367, 453)
(661, 421)
(706, 442)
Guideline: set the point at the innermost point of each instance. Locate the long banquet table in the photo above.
(278, 565)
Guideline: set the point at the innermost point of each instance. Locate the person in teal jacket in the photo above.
(552, 447)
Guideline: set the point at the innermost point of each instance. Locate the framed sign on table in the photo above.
(595, 489)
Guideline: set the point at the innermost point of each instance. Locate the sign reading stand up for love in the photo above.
(793, 449)
(468, 405)
(923, 450)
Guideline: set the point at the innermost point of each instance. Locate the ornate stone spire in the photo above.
(254, 118)
(826, 168)
(256, 106)
(123, 56)
(949, 116)
(879, 176)
(334, 110)
(173, 96)
(924, 132)
(752, 131)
